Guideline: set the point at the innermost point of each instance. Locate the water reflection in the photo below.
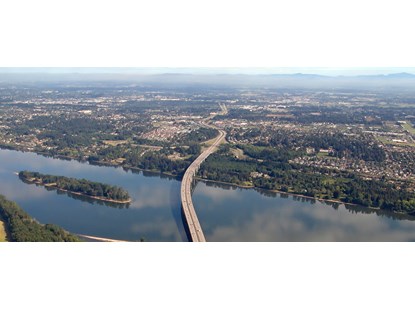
(270, 226)
(14, 192)
(147, 196)
(93, 201)
(247, 215)
(152, 214)
(381, 213)
(226, 213)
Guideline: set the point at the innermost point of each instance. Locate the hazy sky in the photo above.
(242, 70)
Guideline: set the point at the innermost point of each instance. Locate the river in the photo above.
(226, 213)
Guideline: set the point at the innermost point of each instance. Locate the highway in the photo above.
(195, 230)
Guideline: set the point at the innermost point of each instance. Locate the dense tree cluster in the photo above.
(159, 162)
(23, 228)
(309, 181)
(111, 152)
(268, 153)
(82, 186)
(142, 158)
(192, 149)
(66, 132)
(198, 135)
(219, 167)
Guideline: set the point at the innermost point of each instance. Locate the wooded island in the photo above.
(95, 190)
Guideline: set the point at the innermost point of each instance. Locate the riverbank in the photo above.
(289, 194)
(331, 201)
(94, 163)
(206, 180)
(233, 184)
(77, 193)
(152, 200)
(156, 200)
(115, 165)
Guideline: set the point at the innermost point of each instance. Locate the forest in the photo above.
(276, 173)
(22, 227)
(199, 135)
(82, 186)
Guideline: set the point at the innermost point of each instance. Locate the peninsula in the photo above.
(19, 226)
(94, 190)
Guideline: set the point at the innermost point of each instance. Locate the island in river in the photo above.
(94, 190)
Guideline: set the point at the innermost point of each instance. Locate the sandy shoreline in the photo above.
(100, 238)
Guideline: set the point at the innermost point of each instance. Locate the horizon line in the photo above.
(322, 71)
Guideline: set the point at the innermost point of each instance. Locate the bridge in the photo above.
(193, 225)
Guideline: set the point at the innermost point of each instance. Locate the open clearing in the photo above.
(115, 142)
(387, 141)
(208, 143)
(238, 153)
(2, 232)
(409, 128)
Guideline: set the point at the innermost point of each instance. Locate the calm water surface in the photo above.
(154, 213)
(225, 213)
(238, 214)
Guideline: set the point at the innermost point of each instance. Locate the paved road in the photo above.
(196, 232)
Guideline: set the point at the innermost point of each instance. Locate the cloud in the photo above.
(288, 220)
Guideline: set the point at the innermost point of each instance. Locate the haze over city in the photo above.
(328, 71)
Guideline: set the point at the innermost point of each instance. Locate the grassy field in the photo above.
(208, 143)
(238, 153)
(114, 142)
(2, 232)
(322, 154)
(386, 141)
(408, 127)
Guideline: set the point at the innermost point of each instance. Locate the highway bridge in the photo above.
(193, 225)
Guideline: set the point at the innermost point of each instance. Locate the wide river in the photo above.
(225, 213)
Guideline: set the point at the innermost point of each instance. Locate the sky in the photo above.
(214, 34)
(329, 71)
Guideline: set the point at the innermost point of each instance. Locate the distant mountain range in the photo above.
(276, 72)
(403, 81)
(401, 75)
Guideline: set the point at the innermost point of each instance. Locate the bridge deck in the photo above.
(195, 230)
